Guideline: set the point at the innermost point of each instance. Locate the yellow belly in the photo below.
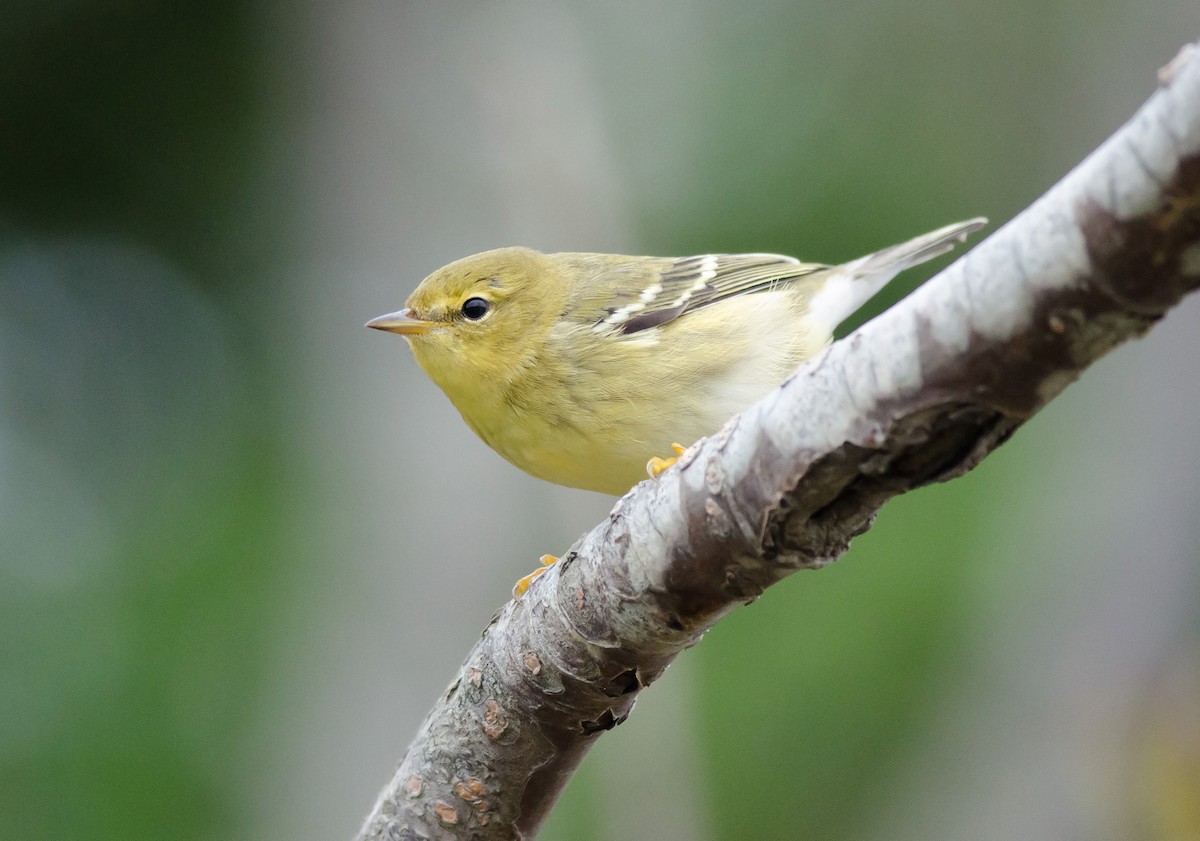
(591, 414)
(609, 463)
(586, 423)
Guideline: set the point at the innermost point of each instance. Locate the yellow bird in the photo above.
(577, 367)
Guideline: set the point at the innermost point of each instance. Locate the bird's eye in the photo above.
(475, 308)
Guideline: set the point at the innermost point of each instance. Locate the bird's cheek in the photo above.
(441, 357)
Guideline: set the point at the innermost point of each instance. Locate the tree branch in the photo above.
(920, 394)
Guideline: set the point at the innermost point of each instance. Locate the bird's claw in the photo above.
(524, 582)
(656, 465)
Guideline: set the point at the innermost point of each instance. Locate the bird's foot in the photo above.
(523, 584)
(656, 465)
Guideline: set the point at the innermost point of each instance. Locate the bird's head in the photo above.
(479, 320)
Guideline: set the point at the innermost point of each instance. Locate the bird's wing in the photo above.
(676, 286)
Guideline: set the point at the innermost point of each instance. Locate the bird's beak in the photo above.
(403, 322)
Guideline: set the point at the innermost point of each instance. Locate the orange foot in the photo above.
(657, 465)
(523, 584)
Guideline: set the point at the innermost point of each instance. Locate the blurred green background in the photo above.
(244, 543)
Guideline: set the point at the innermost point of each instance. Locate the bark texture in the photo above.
(919, 395)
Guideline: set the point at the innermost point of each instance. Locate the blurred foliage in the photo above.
(129, 118)
(138, 465)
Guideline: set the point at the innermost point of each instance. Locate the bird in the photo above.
(576, 367)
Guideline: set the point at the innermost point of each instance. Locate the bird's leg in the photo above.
(656, 465)
(523, 584)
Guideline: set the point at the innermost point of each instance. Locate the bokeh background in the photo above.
(244, 544)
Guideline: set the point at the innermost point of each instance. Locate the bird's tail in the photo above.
(852, 284)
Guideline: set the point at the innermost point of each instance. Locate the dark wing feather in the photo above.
(690, 283)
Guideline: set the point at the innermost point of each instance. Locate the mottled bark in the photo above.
(918, 395)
